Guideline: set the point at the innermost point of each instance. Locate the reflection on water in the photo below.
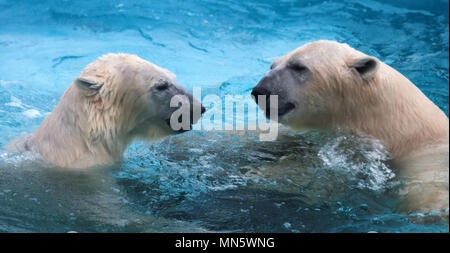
(208, 181)
(194, 182)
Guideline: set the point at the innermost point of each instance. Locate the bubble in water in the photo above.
(362, 160)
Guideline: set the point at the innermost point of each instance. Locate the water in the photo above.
(208, 181)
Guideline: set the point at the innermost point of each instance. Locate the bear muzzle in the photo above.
(260, 91)
(184, 110)
(192, 120)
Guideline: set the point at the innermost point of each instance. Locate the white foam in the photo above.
(3, 82)
(32, 113)
(370, 171)
(15, 102)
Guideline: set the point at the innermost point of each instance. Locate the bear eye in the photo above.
(162, 86)
(297, 66)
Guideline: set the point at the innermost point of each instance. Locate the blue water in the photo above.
(209, 181)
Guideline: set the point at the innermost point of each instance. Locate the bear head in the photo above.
(318, 84)
(127, 97)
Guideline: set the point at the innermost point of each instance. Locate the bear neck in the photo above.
(66, 137)
(400, 115)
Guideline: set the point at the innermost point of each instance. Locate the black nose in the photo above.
(203, 109)
(257, 91)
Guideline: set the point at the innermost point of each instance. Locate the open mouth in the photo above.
(285, 108)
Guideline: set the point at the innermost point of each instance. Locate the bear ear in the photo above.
(88, 84)
(366, 67)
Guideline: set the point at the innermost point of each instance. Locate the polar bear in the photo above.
(325, 84)
(116, 99)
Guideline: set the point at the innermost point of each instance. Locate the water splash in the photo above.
(362, 160)
(209, 181)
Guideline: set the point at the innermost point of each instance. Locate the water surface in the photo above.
(209, 181)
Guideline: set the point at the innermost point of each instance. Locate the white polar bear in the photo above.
(117, 98)
(326, 84)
